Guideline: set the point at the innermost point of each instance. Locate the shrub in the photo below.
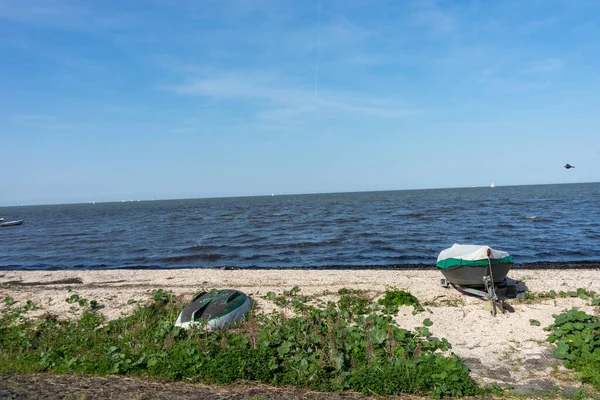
(577, 339)
(394, 298)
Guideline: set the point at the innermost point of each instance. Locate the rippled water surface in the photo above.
(532, 223)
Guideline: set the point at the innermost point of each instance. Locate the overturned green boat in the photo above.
(215, 310)
(472, 265)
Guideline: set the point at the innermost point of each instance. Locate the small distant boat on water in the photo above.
(11, 223)
(492, 185)
(1, 219)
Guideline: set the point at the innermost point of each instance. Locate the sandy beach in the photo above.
(502, 349)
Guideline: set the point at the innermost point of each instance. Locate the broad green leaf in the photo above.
(561, 351)
(378, 336)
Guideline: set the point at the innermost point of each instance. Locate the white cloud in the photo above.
(43, 121)
(282, 98)
(546, 65)
(36, 117)
(434, 17)
(64, 14)
(243, 85)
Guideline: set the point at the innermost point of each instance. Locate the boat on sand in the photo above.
(477, 270)
(215, 310)
(470, 265)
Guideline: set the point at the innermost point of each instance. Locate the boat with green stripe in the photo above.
(468, 265)
(215, 309)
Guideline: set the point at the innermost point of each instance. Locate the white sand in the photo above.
(505, 348)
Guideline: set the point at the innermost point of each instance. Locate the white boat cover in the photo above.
(471, 255)
(470, 252)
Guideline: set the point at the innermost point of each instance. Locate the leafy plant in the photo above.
(354, 302)
(577, 339)
(392, 299)
(344, 291)
(345, 345)
(74, 298)
(287, 298)
(30, 306)
(9, 301)
(582, 293)
(82, 302)
(595, 302)
(161, 296)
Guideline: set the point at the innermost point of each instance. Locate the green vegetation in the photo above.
(581, 293)
(457, 302)
(353, 302)
(9, 301)
(74, 298)
(577, 338)
(394, 298)
(350, 344)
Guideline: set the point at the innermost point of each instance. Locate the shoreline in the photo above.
(549, 265)
(506, 349)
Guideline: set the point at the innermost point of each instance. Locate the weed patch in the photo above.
(445, 303)
(345, 345)
(577, 338)
(354, 302)
(9, 301)
(394, 298)
(584, 294)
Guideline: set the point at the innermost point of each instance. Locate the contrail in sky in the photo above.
(318, 49)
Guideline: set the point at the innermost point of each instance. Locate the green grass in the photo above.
(350, 344)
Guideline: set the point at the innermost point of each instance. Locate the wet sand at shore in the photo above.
(502, 349)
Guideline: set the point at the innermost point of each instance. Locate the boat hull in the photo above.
(215, 310)
(473, 276)
(11, 223)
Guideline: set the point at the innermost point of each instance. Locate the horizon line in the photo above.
(289, 194)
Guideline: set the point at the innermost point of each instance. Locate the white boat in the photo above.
(469, 265)
(11, 223)
(476, 270)
(492, 185)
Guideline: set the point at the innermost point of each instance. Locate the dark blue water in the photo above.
(344, 229)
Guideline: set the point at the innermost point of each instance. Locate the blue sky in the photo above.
(110, 100)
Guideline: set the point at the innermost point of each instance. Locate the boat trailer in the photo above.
(496, 294)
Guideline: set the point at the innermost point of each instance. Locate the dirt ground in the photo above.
(50, 387)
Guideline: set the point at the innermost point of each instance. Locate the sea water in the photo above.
(555, 223)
